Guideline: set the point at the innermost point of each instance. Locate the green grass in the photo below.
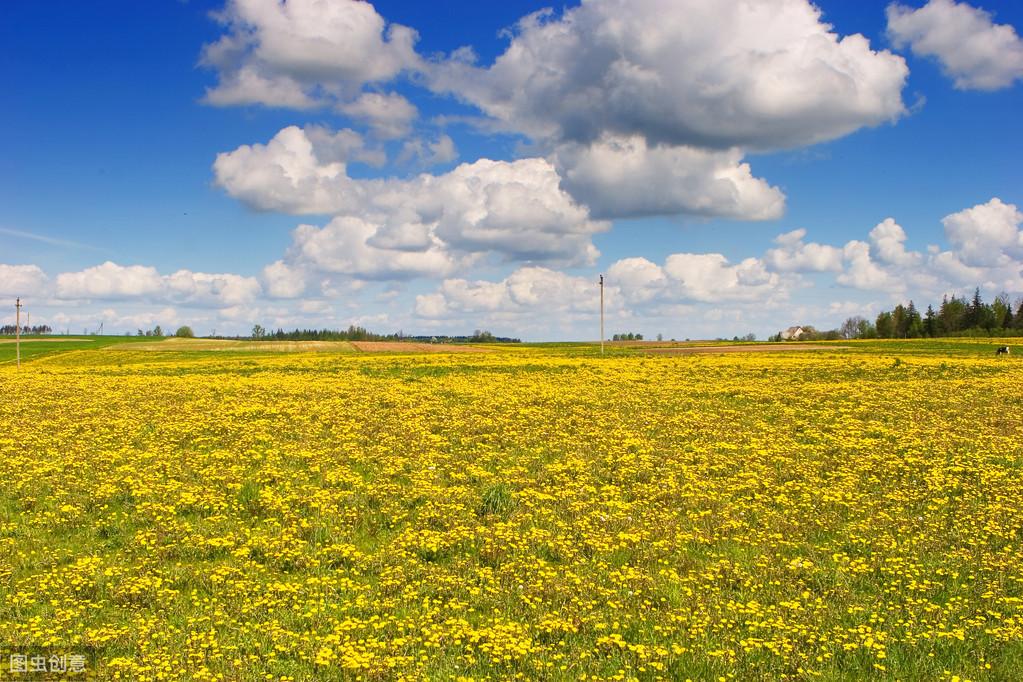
(35, 347)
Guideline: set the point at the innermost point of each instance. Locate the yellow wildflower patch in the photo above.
(528, 513)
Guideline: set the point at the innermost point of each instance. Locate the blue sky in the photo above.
(444, 195)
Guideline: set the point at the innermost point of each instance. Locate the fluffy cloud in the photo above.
(645, 107)
(986, 250)
(389, 115)
(291, 173)
(793, 255)
(344, 246)
(295, 53)
(110, 281)
(951, 267)
(623, 177)
(986, 234)
(695, 277)
(975, 52)
(344, 146)
(884, 264)
(527, 291)
(702, 73)
(515, 206)
(328, 266)
(247, 85)
(424, 153)
(283, 281)
(709, 277)
(636, 289)
(21, 280)
(862, 272)
(514, 209)
(201, 288)
(888, 245)
(640, 280)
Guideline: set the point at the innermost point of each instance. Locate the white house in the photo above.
(792, 334)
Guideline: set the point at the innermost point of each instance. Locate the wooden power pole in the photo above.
(602, 314)
(17, 330)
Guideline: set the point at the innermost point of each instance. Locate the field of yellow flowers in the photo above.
(526, 513)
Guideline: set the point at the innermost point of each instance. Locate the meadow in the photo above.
(529, 512)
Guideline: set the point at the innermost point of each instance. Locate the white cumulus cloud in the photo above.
(528, 291)
(515, 210)
(973, 50)
(389, 115)
(863, 272)
(623, 177)
(710, 277)
(428, 153)
(290, 173)
(986, 234)
(344, 246)
(294, 53)
(22, 280)
(793, 255)
(644, 107)
(109, 281)
(704, 73)
(888, 242)
(284, 281)
(211, 289)
(647, 107)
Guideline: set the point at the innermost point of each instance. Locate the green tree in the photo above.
(914, 325)
(900, 322)
(986, 318)
(885, 325)
(974, 311)
(184, 332)
(951, 315)
(1001, 310)
(930, 322)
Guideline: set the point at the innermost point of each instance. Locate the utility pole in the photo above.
(17, 330)
(602, 314)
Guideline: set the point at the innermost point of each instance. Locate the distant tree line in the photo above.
(955, 316)
(627, 337)
(358, 333)
(11, 330)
